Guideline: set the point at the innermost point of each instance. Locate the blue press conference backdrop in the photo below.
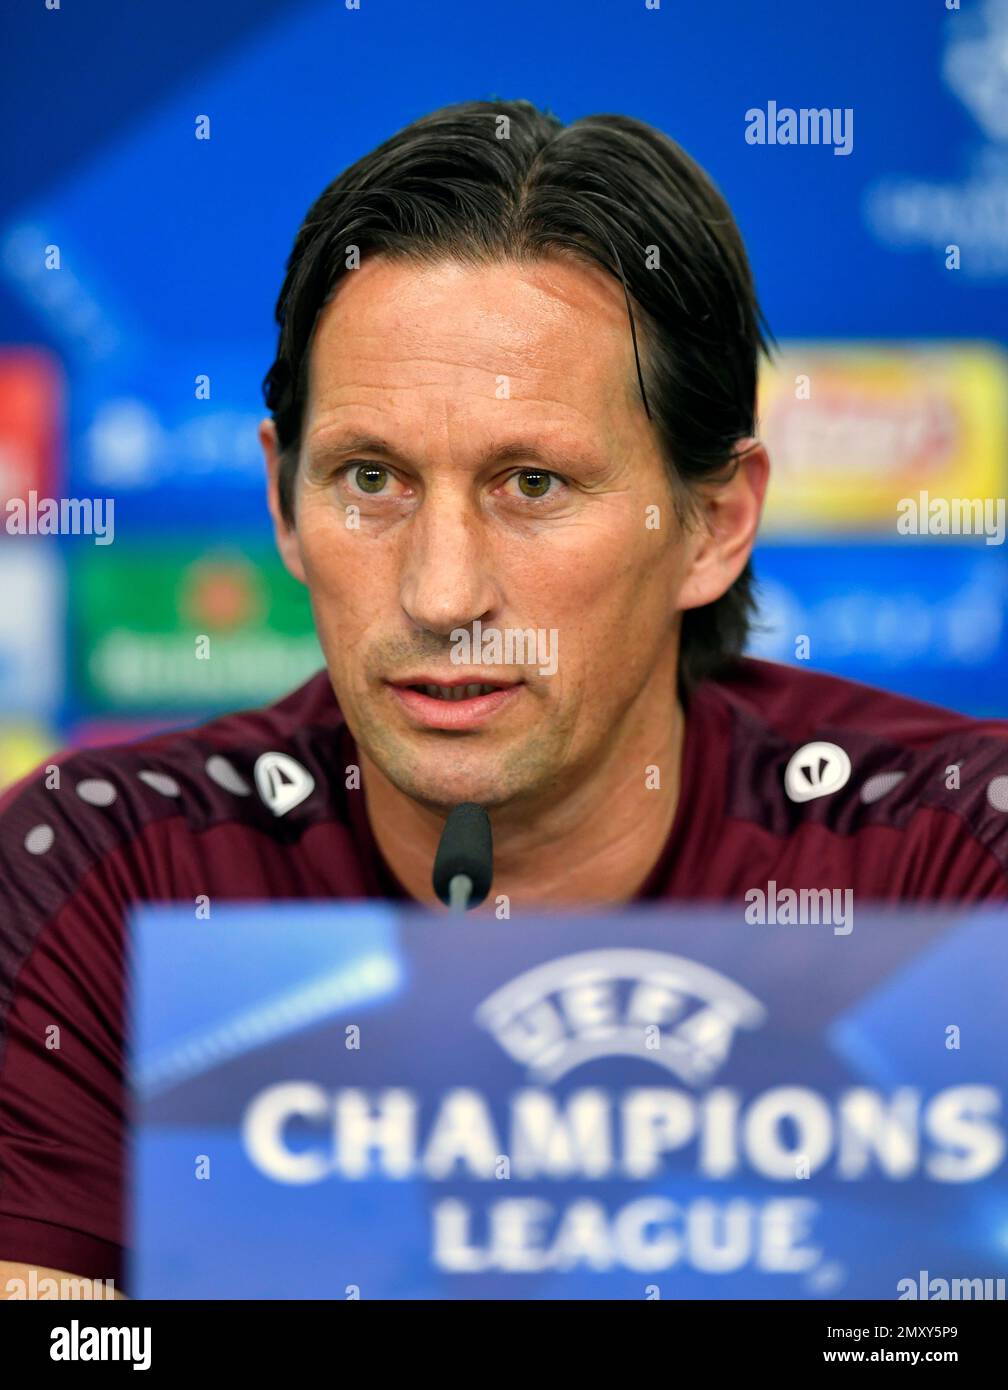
(172, 250)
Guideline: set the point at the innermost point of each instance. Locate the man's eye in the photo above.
(371, 477)
(534, 484)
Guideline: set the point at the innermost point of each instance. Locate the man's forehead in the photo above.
(503, 330)
(505, 306)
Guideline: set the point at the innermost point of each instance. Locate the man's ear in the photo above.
(284, 533)
(726, 528)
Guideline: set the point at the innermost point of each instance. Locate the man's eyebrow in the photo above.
(343, 445)
(336, 446)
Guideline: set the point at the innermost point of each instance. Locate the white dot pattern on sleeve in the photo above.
(875, 788)
(40, 839)
(219, 770)
(997, 793)
(96, 791)
(160, 782)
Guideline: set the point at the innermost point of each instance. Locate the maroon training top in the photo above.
(790, 776)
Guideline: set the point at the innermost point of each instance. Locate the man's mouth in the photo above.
(454, 692)
(458, 704)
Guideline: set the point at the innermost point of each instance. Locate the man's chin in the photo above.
(443, 774)
(440, 790)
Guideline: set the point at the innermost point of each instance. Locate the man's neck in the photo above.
(596, 846)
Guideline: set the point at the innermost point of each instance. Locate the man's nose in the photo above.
(448, 578)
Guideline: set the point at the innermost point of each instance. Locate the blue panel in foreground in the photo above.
(347, 1100)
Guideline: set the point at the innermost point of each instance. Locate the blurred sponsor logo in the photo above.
(222, 593)
(153, 424)
(970, 213)
(929, 618)
(31, 629)
(851, 431)
(30, 410)
(159, 628)
(129, 444)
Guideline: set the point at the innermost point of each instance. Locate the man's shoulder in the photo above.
(798, 704)
(201, 752)
(808, 749)
(274, 769)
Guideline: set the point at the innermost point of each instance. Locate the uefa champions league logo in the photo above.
(538, 1178)
(617, 1003)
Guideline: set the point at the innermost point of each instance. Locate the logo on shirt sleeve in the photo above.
(817, 769)
(282, 783)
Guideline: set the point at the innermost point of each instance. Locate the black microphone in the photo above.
(463, 865)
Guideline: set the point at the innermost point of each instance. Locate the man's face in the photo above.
(475, 448)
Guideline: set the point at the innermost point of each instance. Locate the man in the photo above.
(512, 455)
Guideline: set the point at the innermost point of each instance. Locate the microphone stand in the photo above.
(459, 892)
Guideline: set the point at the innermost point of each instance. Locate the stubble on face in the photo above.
(430, 345)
